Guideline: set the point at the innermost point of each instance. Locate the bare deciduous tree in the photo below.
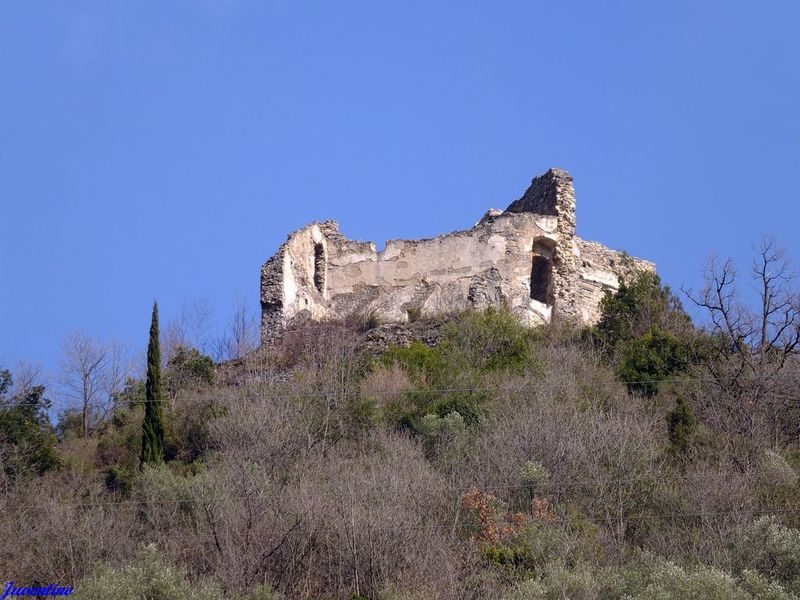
(92, 372)
(27, 375)
(118, 368)
(753, 343)
(241, 334)
(190, 329)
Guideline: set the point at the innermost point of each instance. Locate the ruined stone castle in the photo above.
(526, 257)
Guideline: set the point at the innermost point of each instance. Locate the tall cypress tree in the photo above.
(153, 424)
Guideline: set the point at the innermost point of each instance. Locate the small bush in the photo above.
(364, 321)
(579, 582)
(119, 479)
(534, 475)
(362, 414)
(771, 549)
(166, 499)
(646, 362)
(776, 472)
(443, 435)
(669, 581)
(147, 577)
(638, 306)
(681, 425)
(647, 579)
(492, 340)
(69, 425)
(27, 439)
(448, 378)
(188, 369)
(120, 438)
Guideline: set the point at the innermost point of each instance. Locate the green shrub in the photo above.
(132, 395)
(649, 579)
(119, 479)
(187, 428)
(362, 413)
(534, 474)
(188, 369)
(532, 547)
(771, 549)
(638, 306)
(422, 362)
(669, 581)
(448, 377)
(69, 425)
(491, 340)
(147, 577)
(120, 438)
(776, 472)
(581, 581)
(681, 425)
(760, 588)
(440, 387)
(166, 499)
(534, 477)
(443, 436)
(469, 403)
(27, 439)
(648, 361)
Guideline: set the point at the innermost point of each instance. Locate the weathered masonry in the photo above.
(526, 257)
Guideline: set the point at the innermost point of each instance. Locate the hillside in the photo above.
(466, 457)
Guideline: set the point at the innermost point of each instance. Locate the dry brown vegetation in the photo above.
(503, 463)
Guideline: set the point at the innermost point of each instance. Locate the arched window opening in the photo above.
(541, 279)
(319, 267)
(542, 270)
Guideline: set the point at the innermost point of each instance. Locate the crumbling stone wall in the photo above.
(527, 257)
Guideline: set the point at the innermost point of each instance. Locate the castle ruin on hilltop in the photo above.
(526, 257)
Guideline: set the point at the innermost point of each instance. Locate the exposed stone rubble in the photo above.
(527, 257)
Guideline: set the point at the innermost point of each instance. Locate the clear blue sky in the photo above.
(165, 149)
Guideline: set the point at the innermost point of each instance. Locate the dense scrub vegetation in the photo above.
(642, 458)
